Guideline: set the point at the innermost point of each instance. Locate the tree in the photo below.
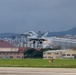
(33, 53)
(29, 53)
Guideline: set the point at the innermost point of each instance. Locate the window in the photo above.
(68, 54)
(18, 53)
(73, 54)
(55, 53)
(4, 53)
(5, 57)
(7, 53)
(14, 53)
(0, 53)
(11, 56)
(49, 53)
(11, 53)
(18, 56)
(63, 54)
(50, 57)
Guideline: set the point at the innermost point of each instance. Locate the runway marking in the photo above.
(14, 72)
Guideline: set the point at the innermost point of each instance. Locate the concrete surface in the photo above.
(37, 71)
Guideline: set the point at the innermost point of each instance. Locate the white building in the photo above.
(54, 54)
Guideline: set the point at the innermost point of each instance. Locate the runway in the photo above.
(37, 71)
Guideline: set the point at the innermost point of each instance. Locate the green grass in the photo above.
(58, 63)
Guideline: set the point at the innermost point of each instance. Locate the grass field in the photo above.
(58, 63)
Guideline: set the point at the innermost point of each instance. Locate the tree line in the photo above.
(34, 53)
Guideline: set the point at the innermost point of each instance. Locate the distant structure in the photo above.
(7, 51)
(64, 43)
(60, 54)
(38, 40)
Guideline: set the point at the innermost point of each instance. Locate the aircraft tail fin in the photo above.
(45, 35)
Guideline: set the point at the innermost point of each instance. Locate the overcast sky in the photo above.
(19, 16)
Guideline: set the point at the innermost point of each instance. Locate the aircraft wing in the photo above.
(37, 39)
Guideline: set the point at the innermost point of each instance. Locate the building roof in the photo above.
(21, 49)
(64, 50)
(4, 44)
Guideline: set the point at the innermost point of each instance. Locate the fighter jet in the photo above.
(36, 36)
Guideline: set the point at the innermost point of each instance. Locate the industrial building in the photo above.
(7, 50)
(60, 54)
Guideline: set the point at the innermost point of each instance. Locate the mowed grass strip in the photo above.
(57, 63)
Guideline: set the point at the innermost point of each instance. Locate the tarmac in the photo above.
(36, 71)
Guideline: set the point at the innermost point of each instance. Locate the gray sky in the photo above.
(20, 16)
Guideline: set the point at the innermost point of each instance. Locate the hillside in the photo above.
(63, 33)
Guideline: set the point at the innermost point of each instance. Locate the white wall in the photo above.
(8, 49)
